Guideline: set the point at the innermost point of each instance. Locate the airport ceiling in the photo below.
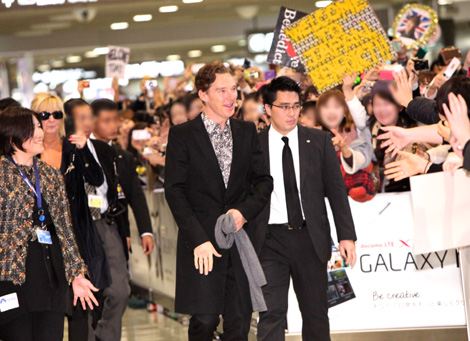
(55, 32)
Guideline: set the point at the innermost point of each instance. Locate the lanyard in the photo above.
(37, 190)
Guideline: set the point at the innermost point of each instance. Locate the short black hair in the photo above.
(280, 84)
(189, 99)
(103, 104)
(308, 105)
(16, 127)
(71, 104)
(459, 85)
(8, 102)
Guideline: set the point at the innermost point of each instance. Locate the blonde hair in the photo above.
(47, 102)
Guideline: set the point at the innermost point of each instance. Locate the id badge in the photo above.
(9, 302)
(95, 201)
(121, 194)
(44, 237)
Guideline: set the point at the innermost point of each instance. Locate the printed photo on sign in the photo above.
(340, 38)
(415, 25)
(282, 52)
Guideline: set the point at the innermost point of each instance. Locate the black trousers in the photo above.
(34, 326)
(78, 323)
(285, 254)
(236, 320)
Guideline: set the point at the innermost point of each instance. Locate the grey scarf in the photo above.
(225, 235)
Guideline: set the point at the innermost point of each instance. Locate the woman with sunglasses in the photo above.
(81, 171)
(39, 258)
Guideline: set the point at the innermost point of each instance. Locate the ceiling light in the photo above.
(218, 48)
(247, 12)
(74, 59)
(57, 63)
(90, 54)
(322, 3)
(194, 53)
(191, 1)
(168, 9)
(173, 57)
(142, 17)
(119, 26)
(242, 42)
(44, 67)
(101, 50)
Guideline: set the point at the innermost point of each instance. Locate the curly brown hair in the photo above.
(337, 95)
(207, 74)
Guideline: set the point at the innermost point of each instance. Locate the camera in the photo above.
(421, 64)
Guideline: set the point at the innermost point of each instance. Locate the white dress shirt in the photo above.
(103, 189)
(278, 213)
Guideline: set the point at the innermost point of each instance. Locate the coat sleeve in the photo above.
(136, 198)
(423, 110)
(88, 167)
(466, 156)
(260, 180)
(335, 191)
(176, 175)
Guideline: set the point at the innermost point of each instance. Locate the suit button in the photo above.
(86, 165)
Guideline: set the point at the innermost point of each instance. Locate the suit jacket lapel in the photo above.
(202, 138)
(304, 154)
(237, 152)
(264, 141)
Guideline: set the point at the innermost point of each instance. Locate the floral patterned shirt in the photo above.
(222, 142)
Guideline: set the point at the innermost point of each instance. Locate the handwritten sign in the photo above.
(282, 53)
(343, 37)
(116, 61)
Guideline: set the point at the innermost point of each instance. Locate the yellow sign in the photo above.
(345, 36)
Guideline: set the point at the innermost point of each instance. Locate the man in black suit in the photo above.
(107, 319)
(105, 130)
(214, 165)
(293, 232)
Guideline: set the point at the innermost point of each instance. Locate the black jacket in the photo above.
(134, 195)
(196, 194)
(320, 177)
(423, 110)
(77, 165)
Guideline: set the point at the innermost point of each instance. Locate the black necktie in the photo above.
(294, 210)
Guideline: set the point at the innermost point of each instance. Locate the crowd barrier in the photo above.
(389, 290)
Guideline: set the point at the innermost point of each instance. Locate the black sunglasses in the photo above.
(56, 114)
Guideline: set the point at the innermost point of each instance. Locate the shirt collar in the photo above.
(292, 135)
(93, 137)
(211, 125)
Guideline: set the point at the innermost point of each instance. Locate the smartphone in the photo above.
(421, 64)
(270, 74)
(69, 125)
(386, 75)
(451, 68)
(449, 54)
(421, 53)
(141, 134)
(396, 45)
(151, 84)
(251, 74)
(86, 84)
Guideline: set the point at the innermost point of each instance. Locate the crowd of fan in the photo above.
(384, 131)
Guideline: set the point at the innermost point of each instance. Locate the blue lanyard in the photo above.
(37, 190)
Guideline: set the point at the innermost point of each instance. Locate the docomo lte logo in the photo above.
(401, 243)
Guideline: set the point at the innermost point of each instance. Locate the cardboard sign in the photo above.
(343, 37)
(282, 53)
(116, 61)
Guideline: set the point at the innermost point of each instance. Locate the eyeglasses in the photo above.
(295, 107)
(56, 114)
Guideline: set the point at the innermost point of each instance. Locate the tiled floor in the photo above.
(140, 325)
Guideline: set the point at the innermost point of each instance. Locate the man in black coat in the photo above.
(214, 165)
(293, 232)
